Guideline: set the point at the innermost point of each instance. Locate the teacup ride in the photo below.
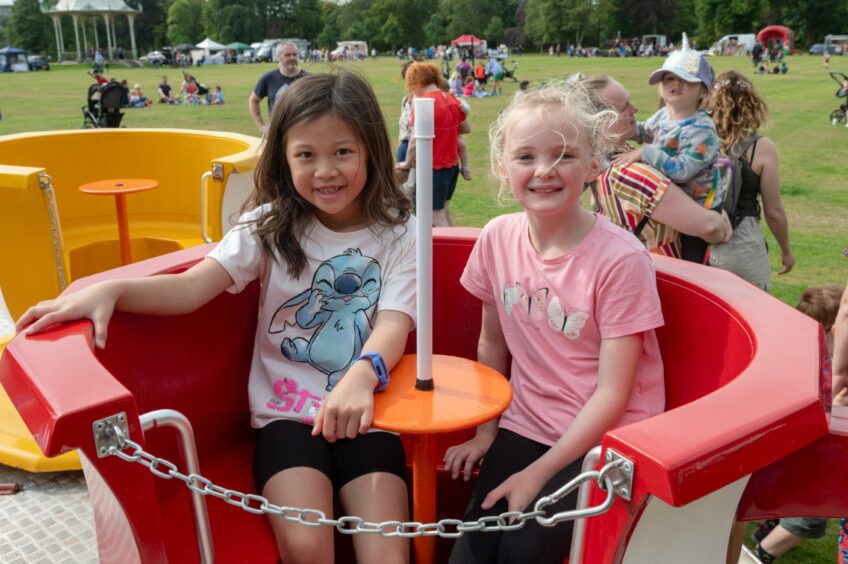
(161, 422)
(53, 234)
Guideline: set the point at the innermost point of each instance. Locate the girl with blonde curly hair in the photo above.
(739, 112)
(570, 306)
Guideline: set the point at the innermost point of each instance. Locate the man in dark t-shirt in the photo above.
(274, 83)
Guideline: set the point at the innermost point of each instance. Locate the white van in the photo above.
(739, 44)
(349, 50)
(268, 50)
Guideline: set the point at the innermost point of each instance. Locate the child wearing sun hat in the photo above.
(681, 138)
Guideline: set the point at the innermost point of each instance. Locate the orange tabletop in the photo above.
(120, 187)
(466, 394)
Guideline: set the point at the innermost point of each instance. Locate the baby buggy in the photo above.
(840, 114)
(510, 72)
(103, 106)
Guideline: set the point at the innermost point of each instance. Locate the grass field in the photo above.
(811, 150)
(813, 180)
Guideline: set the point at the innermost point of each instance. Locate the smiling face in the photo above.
(546, 162)
(329, 168)
(618, 98)
(681, 96)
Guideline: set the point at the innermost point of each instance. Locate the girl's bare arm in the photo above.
(840, 347)
(167, 294)
(493, 352)
(616, 373)
(348, 410)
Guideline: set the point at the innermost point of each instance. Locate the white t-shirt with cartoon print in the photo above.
(555, 313)
(310, 329)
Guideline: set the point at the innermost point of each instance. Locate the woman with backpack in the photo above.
(738, 113)
(638, 197)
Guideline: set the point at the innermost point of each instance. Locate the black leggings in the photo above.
(510, 453)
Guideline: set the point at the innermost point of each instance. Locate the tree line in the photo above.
(389, 25)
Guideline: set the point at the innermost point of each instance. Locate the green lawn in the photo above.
(811, 150)
(800, 102)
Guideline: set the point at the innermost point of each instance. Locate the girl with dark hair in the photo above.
(331, 242)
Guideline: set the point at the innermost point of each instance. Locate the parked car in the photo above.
(818, 49)
(37, 62)
(155, 58)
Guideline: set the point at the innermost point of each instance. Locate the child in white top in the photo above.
(571, 299)
(684, 144)
(331, 242)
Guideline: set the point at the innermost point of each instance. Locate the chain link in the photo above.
(352, 525)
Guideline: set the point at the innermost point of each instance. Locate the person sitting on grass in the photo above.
(216, 97)
(165, 95)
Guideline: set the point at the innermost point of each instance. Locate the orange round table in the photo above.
(119, 188)
(466, 394)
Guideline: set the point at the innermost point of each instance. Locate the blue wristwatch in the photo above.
(379, 367)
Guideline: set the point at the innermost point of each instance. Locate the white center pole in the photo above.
(423, 109)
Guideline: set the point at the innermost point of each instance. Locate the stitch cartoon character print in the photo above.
(331, 318)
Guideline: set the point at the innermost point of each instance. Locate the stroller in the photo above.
(510, 72)
(103, 107)
(840, 114)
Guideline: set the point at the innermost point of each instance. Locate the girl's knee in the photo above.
(302, 545)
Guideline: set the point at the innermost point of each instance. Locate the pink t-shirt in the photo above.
(554, 314)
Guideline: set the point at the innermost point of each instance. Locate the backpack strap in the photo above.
(753, 149)
(641, 225)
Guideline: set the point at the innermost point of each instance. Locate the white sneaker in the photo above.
(834, 121)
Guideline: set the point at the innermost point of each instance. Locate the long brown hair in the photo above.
(736, 108)
(348, 96)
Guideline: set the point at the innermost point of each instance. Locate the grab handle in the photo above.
(203, 190)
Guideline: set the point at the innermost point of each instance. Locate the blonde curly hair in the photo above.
(570, 97)
(736, 109)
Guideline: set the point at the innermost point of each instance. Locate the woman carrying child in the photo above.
(331, 241)
(572, 300)
(739, 113)
(683, 140)
(638, 197)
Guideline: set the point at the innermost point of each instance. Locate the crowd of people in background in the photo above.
(191, 92)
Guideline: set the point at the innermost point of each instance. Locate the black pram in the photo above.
(103, 106)
(841, 113)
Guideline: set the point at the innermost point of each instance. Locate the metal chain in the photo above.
(351, 525)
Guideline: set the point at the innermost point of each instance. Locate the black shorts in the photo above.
(511, 453)
(444, 185)
(285, 444)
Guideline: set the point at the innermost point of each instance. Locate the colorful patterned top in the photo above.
(685, 151)
(626, 195)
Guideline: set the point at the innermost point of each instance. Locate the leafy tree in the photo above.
(209, 19)
(559, 21)
(495, 30)
(469, 16)
(237, 22)
(435, 30)
(184, 21)
(360, 19)
(721, 17)
(810, 20)
(330, 32)
(304, 19)
(391, 33)
(28, 28)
